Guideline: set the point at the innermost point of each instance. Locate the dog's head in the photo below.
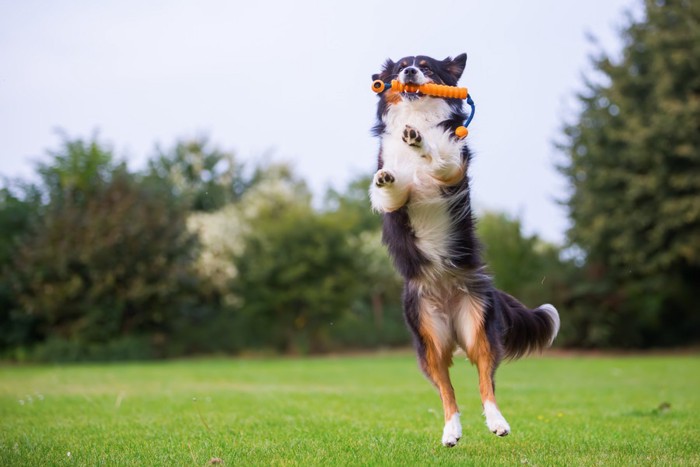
(421, 70)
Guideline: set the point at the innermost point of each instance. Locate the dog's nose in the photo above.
(411, 71)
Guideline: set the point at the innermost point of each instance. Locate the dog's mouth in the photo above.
(411, 92)
(412, 96)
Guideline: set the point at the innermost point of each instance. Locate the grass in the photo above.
(366, 410)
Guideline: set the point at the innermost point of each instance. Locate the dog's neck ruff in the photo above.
(422, 113)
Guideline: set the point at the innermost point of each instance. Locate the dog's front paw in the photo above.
(412, 137)
(383, 178)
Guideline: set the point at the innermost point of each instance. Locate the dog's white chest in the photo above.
(420, 169)
(432, 225)
(412, 165)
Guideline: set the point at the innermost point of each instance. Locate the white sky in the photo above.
(293, 77)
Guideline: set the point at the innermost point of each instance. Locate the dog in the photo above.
(421, 188)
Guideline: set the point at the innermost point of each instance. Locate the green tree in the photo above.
(76, 171)
(633, 161)
(352, 206)
(524, 266)
(296, 273)
(206, 177)
(19, 211)
(376, 318)
(107, 258)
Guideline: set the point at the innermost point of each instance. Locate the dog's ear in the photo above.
(387, 69)
(388, 66)
(456, 67)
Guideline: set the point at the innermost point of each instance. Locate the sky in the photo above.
(290, 81)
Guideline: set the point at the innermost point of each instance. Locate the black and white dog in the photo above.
(421, 188)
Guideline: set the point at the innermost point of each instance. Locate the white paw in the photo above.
(495, 421)
(452, 431)
(498, 426)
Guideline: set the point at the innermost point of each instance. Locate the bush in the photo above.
(104, 264)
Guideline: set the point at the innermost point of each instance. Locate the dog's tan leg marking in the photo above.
(479, 352)
(436, 362)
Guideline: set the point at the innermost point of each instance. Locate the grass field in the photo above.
(367, 410)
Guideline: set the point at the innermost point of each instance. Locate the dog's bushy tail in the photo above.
(525, 330)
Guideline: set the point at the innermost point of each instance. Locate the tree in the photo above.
(19, 210)
(633, 161)
(295, 273)
(524, 266)
(376, 317)
(108, 255)
(352, 206)
(76, 170)
(206, 177)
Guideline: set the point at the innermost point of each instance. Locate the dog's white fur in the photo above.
(417, 171)
(452, 431)
(554, 315)
(494, 420)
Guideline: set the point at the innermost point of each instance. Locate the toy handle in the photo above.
(430, 89)
(378, 86)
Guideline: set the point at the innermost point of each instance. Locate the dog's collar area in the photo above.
(432, 89)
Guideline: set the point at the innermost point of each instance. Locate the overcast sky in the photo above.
(293, 78)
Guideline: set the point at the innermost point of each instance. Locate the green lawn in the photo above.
(368, 410)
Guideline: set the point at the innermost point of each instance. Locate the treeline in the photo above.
(633, 165)
(200, 254)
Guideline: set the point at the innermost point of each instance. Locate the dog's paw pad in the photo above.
(412, 137)
(383, 178)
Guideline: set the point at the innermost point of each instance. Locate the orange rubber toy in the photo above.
(431, 89)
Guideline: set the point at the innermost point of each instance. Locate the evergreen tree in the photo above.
(633, 161)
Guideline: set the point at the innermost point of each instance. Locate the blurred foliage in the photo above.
(76, 171)
(107, 257)
(199, 253)
(19, 211)
(524, 266)
(206, 177)
(633, 160)
(105, 264)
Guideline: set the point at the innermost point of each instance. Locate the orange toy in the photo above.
(432, 89)
(429, 89)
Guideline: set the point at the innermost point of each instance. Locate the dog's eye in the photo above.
(426, 70)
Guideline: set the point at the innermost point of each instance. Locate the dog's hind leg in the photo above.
(486, 366)
(434, 345)
(436, 362)
(486, 354)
